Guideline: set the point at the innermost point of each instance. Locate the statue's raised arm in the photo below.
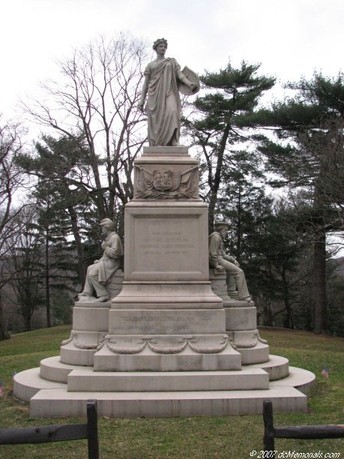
(163, 81)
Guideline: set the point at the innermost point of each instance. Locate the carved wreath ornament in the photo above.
(170, 345)
(242, 341)
(78, 341)
(159, 345)
(166, 183)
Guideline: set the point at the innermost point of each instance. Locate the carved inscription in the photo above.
(166, 244)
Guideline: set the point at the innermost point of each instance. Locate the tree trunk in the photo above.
(319, 281)
(217, 177)
(267, 312)
(47, 281)
(78, 243)
(288, 322)
(3, 326)
(27, 322)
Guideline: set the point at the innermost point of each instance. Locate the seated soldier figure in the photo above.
(219, 260)
(100, 272)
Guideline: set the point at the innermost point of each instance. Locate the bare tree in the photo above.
(97, 97)
(10, 182)
(25, 264)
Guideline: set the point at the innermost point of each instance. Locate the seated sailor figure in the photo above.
(218, 259)
(99, 273)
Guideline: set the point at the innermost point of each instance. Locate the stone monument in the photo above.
(171, 342)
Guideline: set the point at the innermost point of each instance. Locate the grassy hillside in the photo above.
(216, 437)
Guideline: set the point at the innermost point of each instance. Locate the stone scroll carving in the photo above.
(166, 183)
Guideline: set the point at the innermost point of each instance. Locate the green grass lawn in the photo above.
(201, 437)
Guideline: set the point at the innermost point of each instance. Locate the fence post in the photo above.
(269, 431)
(92, 430)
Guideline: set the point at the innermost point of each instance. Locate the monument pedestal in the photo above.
(241, 322)
(166, 345)
(166, 317)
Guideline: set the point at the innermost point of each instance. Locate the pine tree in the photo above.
(220, 122)
(64, 198)
(308, 155)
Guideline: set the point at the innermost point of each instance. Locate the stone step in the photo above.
(52, 369)
(51, 399)
(302, 380)
(256, 355)
(60, 403)
(277, 367)
(99, 381)
(27, 383)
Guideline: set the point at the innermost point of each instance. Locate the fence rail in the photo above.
(304, 432)
(58, 432)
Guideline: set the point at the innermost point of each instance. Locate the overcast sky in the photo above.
(290, 38)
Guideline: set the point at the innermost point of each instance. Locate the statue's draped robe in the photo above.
(163, 104)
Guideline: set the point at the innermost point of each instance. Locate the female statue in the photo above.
(163, 79)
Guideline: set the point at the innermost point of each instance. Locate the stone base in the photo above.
(80, 348)
(172, 353)
(56, 401)
(218, 281)
(80, 380)
(59, 403)
(166, 295)
(277, 367)
(90, 326)
(166, 345)
(241, 322)
(257, 354)
(162, 394)
(114, 286)
(52, 369)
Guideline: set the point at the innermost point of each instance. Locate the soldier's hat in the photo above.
(219, 225)
(108, 222)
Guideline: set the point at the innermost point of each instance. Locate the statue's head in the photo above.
(219, 226)
(108, 224)
(158, 41)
